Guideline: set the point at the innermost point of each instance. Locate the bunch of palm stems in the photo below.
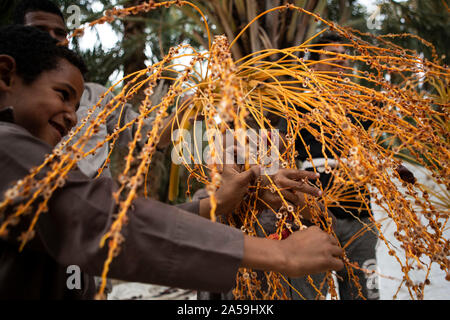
(408, 124)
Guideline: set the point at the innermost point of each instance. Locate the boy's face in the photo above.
(336, 48)
(47, 106)
(48, 22)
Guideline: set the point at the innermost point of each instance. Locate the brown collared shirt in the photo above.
(164, 244)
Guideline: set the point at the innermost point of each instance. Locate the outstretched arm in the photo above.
(304, 252)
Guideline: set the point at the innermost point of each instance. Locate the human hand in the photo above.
(234, 185)
(293, 187)
(310, 251)
(305, 252)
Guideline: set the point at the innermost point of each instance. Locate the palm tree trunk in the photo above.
(134, 30)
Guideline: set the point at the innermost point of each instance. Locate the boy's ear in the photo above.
(7, 70)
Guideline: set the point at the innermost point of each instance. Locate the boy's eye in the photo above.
(61, 33)
(64, 94)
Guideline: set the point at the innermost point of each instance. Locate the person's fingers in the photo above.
(246, 177)
(337, 251)
(306, 188)
(299, 185)
(296, 174)
(290, 196)
(336, 264)
(283, 182)
(315, 229)
(333, 240)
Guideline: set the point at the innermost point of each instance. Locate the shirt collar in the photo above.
(7, 114)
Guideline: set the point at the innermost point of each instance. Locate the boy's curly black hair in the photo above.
(35, 51)
(25, 6)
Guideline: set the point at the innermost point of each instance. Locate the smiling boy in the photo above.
(47, 105)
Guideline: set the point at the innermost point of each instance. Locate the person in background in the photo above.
(351, 215)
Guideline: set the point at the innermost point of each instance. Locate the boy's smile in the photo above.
(47, 106)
